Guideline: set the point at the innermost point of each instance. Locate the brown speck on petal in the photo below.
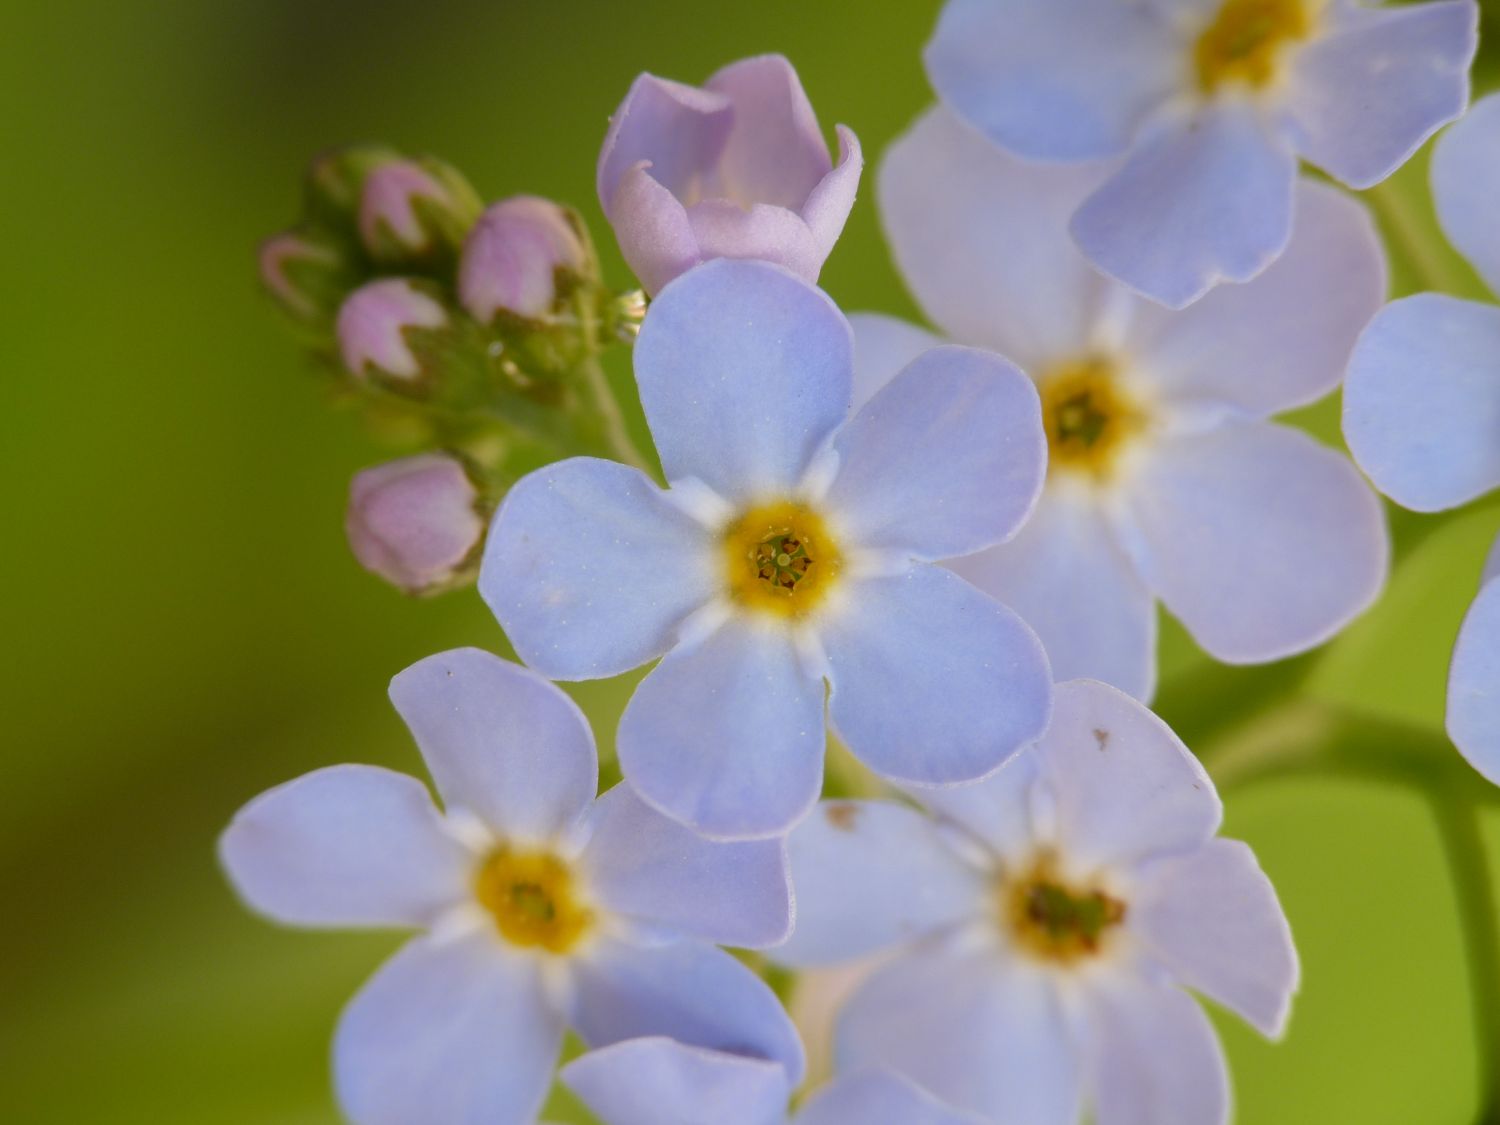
(842, 815)
(1102, 737)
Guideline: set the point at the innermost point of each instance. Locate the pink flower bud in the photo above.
(298, 271)
(405, 210)
(372, 327)
(737, 169)
(415, 522)
(511, 258)
(334, 179)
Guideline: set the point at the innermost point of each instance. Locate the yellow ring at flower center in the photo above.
(533, 899)
(1088, 417)
(780, 559)
(1054, 920)
(1246, 41)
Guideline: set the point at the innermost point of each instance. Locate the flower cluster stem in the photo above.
(1473, 886)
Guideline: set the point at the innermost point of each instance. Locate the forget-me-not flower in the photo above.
(1422, 407)
(543, 908)
(1041, 927)
(662, 1082)
(1210, 103)
(735, 169)
(1166, 479)
(794, 546)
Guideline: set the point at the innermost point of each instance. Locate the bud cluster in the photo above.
(471, 332)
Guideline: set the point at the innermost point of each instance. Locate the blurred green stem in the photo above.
(611, 421)
(1302, 738)
(595, 380)
(1413, 236)
(1463, 844)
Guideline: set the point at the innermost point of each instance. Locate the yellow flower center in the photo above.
(1055, 920)
(1087, 415)
(533, 899)
(780, 558)
(1246, 41)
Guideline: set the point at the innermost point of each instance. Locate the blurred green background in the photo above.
(184, 626)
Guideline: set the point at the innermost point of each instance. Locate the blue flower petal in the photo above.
(1422, 401)
(996, 810)
(1202, 199)
(982, 1032)
(933, 681)
(641, 864)
(1153, 1055)
(1474, 685)
(590, 569)
(1123, 787)
(500, 741)
(1068, 578)
(1365, 94)
(1211, 917)
(659, 1081)
(448, 1033)
(1262, 541)
(1054, 79)
(1284, 338)
(871, 875)
(982, 240)
(727, 736)
(1465, 172)
(883, 346)
(948, 459)
(744, 371)
(687, 991)
(879, 1097)
(345, 846)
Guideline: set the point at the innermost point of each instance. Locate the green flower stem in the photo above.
(1309, 739)
(1417, 238)
(1312, 739)
(1463, 844)
(1202, 704)
(616, 438)
(595, 381)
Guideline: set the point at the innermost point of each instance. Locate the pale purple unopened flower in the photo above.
(1208, 104)
(540, 907)
(658, 1081)
(415, 522)
(735, 169)
(373, 322)
(512, 257)
(286, 255)
(390, 223)
(1041, 929)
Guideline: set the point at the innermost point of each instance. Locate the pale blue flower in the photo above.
(661, 1082)
(1036, 934)
(543, 908)
(1166, 479)
(1210, 103)
(793, 547)
(1474, 678)
(1422, 407)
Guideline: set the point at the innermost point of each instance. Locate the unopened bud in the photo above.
(304, 273)
(335, 182)
(410, 210)
(515, 255)
(373, 325)
(417, 522)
